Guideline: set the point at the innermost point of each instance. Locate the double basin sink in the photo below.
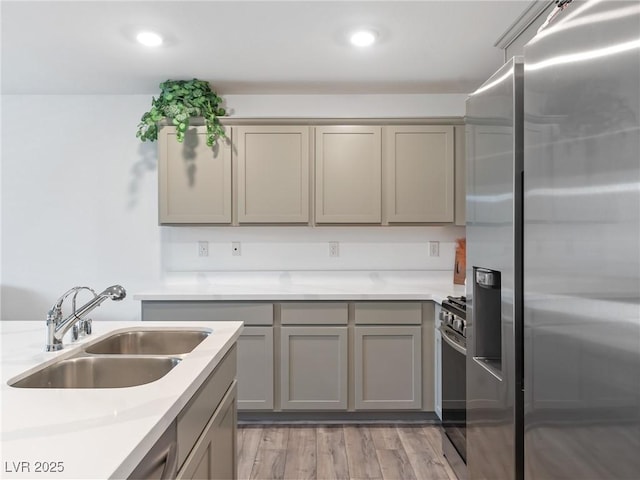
(123, 359)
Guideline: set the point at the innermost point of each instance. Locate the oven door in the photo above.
(454, 391)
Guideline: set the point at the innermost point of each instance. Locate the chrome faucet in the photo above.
(57, 326)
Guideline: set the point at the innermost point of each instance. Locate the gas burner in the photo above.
(459, 302)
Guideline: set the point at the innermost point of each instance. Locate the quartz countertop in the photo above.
(93, 433)
(317, 286)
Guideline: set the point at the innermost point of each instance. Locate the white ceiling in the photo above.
(87, 47)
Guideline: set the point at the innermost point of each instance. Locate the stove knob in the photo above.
(457, 324)
(442, 314)
(464, 330)
(449, 319)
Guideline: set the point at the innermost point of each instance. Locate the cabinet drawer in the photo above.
(196, 414)
(388, 313)
(249, 313)
(314, 313)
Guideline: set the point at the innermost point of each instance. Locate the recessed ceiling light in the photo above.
(363, 38)
(149, 39)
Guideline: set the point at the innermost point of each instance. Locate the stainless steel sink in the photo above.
(149, 342)
(99, 372)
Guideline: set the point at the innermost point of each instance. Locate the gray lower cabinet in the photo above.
(255, 345)
(324, 355)
(161, 461)
(214, 454)
(206, 426)
(388, 367)
(313, 368)
(255, 369)
(437, 355)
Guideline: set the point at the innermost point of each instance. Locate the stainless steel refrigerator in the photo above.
(553, 254)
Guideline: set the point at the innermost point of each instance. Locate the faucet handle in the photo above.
(88, 326)
(81, 328)
(75, 333)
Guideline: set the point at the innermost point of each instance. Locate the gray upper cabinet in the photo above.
(348, 174)
(273, 173)
(419, 174)
(194, 179)
(301, 174)
(461, 176)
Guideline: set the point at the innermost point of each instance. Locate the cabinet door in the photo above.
(255, 369)
(313, 368)
(388, 370)
(419, 173)
(348, 174)
(194, 180)
(214, 457)
(273, 174)
(461, 176)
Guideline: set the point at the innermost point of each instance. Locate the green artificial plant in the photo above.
(180, 100)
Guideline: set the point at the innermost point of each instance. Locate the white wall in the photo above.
(78, 201)
(79, 204)
(409, 105)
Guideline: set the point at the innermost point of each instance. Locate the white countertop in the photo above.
(95, 433)
(296, 285)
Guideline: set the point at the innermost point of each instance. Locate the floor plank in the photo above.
(271, 457)
(332, 454)
(269, 464)
(248, 443)
(275, 437)
(434, 436)
(395, 465)
(386, 438)
(301, 454)
(361, 453)
(426, 461)
(341, 452)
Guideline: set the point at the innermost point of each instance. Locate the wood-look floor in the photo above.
(350, 452)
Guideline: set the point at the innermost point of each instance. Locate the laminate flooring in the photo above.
(349, 452)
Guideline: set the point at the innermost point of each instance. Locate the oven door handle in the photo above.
(451, 343)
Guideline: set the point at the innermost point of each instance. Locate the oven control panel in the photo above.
(453, 321)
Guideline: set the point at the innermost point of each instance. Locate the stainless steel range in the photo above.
(453, 374)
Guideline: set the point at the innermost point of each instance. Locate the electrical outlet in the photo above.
(434, 249)
(235, 249)
(203, 248)
(334, 249)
